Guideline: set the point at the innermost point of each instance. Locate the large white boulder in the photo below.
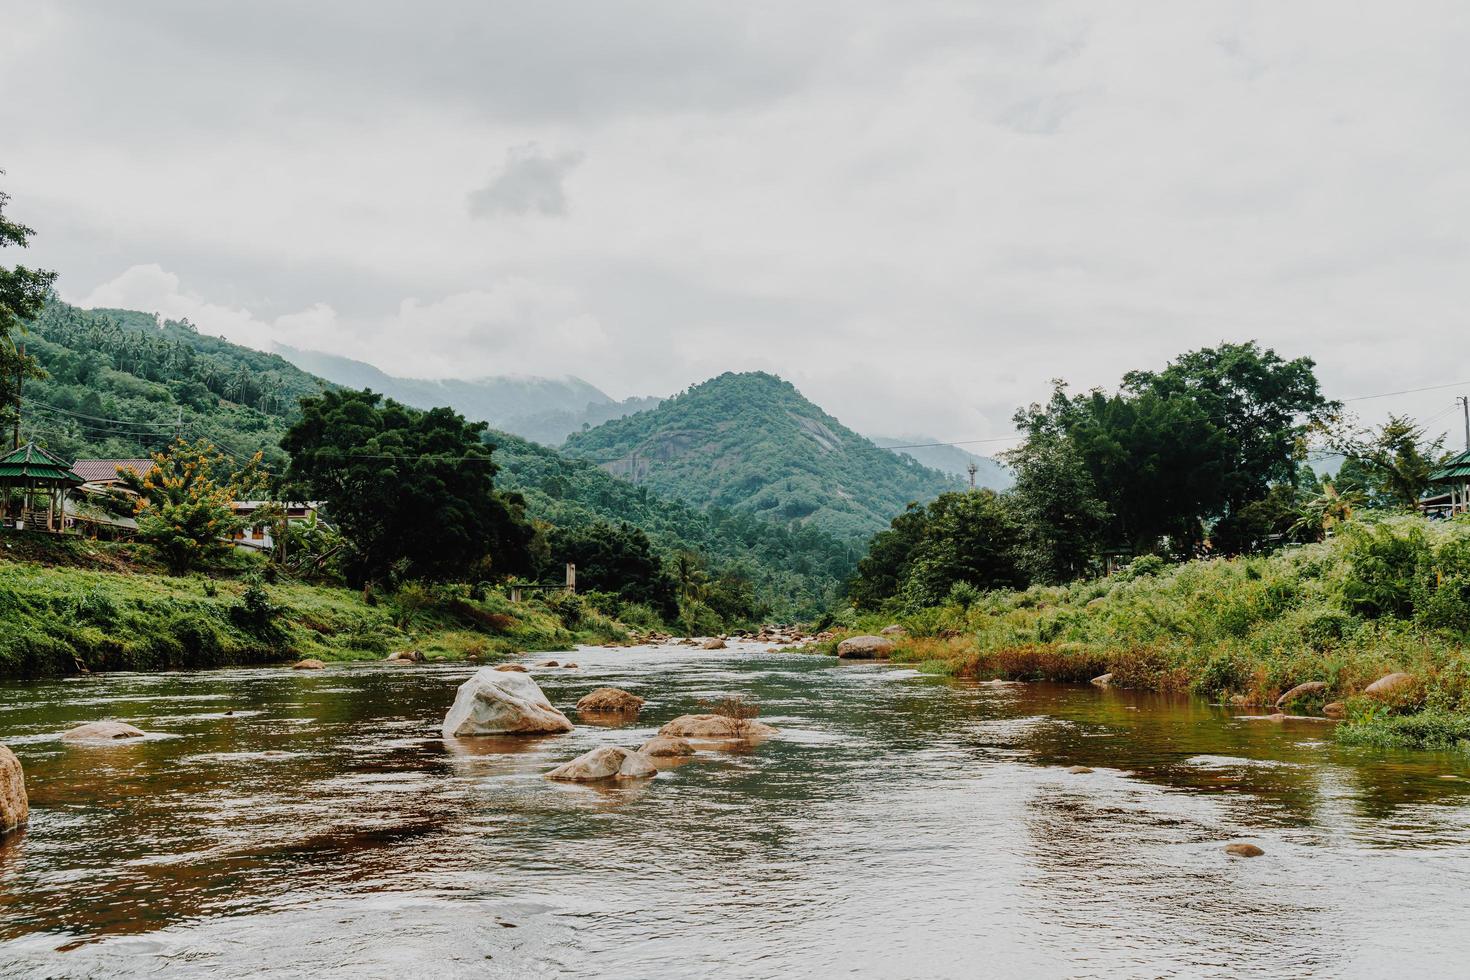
(102, 731)
(497, 702)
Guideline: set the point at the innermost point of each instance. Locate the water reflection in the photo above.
(900, 825)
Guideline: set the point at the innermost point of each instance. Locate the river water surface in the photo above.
(900, 826)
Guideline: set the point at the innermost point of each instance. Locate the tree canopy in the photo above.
(413, 491)
(22, 294)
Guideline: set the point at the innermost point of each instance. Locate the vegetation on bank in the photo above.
(67, 603)
(1380, 596)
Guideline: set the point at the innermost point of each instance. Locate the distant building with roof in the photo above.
(30, 475)
(1449, 492)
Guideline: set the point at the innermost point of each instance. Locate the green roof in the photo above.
(1453, 470)
(31, 462)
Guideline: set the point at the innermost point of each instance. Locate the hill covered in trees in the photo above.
(750, 443)
(122, 384)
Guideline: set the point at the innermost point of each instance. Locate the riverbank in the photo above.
(73, 605)
(1381, 598)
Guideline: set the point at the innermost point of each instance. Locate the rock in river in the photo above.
(608, 762)
(1078, 770)
(516, 668)
(15, 809)
(611, 699)
(497, 702)
(309, 664)
(865, 647)
(102, 731)
(714, 644)
(664, 746)
(1335, 710)
(1103, 680)
(715, 727)
(1244, 850)
(1301, 691)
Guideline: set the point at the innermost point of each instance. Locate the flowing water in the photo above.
(315, 824)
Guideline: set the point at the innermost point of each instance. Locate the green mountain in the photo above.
(542, 409)
(120, 384)
(950, 459)
(750, 443)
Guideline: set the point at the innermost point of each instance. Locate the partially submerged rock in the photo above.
(1301, 691)
(717, 727)
(102, 731)
(568, 666)
(611, 700)
(497, 702)
(665, 746)
(1103, 680)
(15, 808)
(1244, 850)
(608, 762)
(865, 648)
(1335, 710)
(1078, 770)
(516, 668)
(309, 664)
(713, 644)
(548, 663)
(407, 656)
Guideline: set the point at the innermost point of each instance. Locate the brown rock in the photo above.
(608, 762)
(1335, 710)
(663, 746)
(1103, 680)
(714, 644)
(514, 668)
(611, 699)
(102, 731)
(865, 648)
(309, 664)
(15, 808)
(569, 666)
(407, 656)
(1301, 691)
(548, 663)
(1244, 850)
(1078, 769)
(893, 629)
(1394, 688)
(715, 727)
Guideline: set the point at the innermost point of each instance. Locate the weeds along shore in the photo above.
(1378, 598)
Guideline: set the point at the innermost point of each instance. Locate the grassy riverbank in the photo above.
(108, 607)
(1379, 597)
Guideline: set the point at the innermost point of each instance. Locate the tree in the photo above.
(613, 558)
(1062, 520)
(1391, 464)
(183, 510)
(409, 489)
(882, 571)
(23, 292)
(972, 537)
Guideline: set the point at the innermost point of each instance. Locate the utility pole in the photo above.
(179, 425)
(1464, 401)
(973, 469)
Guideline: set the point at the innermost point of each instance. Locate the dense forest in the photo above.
(751, 443)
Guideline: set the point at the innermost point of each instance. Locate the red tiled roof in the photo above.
(105, 470)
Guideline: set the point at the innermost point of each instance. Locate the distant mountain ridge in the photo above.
(752, 443)
(950, 459)
(541, 409)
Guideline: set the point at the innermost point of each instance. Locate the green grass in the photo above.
(1383, 596)
(1425, 730)
(107, 607)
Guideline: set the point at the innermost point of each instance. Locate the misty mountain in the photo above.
(751, 443)
(950, 459)
(541, 409)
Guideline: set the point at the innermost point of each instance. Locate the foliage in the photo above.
(752, 444)
(407, 488)
(737, 707)
(1426, 730)
(182, 509)
(1388, 465)
(1060, 513)
(617, 559)
(22, 293)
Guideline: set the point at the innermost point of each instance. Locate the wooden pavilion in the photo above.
(29, 478)
(1450, 483)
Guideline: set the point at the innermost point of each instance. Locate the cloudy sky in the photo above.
(918, 212)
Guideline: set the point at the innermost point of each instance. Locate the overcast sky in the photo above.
(918, 212)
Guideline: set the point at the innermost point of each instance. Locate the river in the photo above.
(315, 824)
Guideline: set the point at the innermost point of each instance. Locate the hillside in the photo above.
(952, 460)
(752, 444)
(121, 384)
(545, 410)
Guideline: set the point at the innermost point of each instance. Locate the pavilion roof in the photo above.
(31, 463)
(1456, 469)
